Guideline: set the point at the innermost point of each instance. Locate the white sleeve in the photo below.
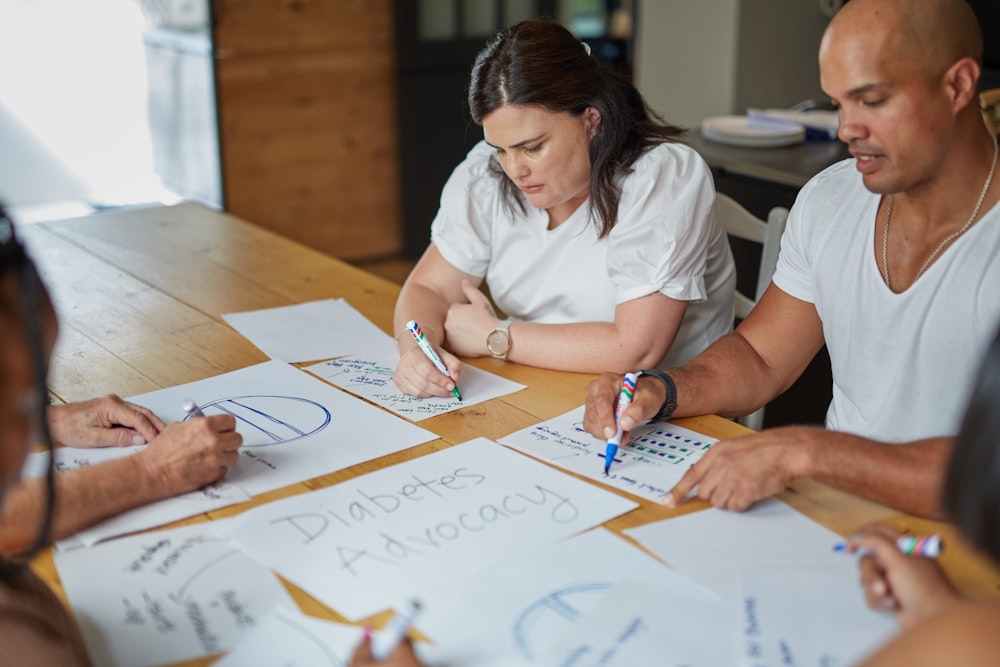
(665, 229)
(461, 230)
(794, 270)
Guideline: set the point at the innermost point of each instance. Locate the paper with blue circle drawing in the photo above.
(371, 377)
(166, 596)
(294, 426)
(649, 465)
(411, 529)
(535, 607)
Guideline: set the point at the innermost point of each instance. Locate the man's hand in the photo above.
(735, 473)
(602, 396)
(188, 455)
(103, 421)
(913, 588)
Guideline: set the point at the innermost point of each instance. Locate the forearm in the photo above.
(729, 379)
(429, 309)
(585, 347)
(908, 477)
(83, 498)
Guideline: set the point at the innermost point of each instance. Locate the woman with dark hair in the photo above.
(940, 627)
(35, 628)
(593, 229)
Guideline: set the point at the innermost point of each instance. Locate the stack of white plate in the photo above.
(744, 131)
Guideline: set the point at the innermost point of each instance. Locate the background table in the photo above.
(140, 294)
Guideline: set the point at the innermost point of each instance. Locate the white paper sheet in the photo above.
(713, 546)
(809, 616)
(524, 610)
(289, 638)
(369, 543)
(294, 426)
(166, 596)
(212, 497)
(640, 622)
(311, 331)
(648, 466)
(371, 378)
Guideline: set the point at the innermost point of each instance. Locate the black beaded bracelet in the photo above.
(670, 402)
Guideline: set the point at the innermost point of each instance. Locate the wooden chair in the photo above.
(740, 223)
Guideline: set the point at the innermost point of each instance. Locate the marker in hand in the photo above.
(191, 410)
(624, 400)
(929, 546)
(396, 630)
(428, 350)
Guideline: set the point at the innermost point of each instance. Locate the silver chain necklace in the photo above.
(948, 239)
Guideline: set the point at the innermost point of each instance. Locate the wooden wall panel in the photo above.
(307, 120)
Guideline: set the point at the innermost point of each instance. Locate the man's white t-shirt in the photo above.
(666, 240)
(903, 364)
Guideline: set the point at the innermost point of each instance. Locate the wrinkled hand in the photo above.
(602, 397)
(188, 455)
(401, 656)
(913, 588)
(104, 421)
(417, 376)
(735, 473)
(468, 324)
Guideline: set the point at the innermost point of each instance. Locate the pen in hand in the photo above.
(396, 630)
(191, 410)
(428, 350)
(929, 546)
(624, 400)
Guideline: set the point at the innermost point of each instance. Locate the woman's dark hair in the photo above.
(540, 63)
(34, 297)
(972, 482)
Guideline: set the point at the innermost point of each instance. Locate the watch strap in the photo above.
(670, 402)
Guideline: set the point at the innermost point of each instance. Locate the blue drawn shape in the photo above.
(272, 420)
(548, 616)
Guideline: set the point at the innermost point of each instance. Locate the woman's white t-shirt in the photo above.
(666, 240)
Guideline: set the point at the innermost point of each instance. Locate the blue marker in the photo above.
(624, 400)
(929, 546)
(425, 347)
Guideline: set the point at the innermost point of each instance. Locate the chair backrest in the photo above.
(739, 222)
(989, 102)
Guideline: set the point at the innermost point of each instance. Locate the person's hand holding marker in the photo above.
(423, 371)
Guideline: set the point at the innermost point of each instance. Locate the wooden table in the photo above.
(140, 294)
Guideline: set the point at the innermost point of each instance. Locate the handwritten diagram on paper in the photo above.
(408, 530)
(294, 426)
(166, 596)
(519, 610)
(371, 378)
(310, 331)
(289, 638)
(199, 501)
(637, 622)
(271, 420)
(648, 466)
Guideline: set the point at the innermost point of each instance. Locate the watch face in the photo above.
(498, 342)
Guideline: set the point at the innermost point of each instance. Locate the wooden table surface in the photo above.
(140, 294)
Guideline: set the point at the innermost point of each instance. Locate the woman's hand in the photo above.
(401, 656)
(469, 324)
(101, 422)
(417, 376)
(911, 587)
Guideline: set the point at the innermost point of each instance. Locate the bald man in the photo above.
(889, 258)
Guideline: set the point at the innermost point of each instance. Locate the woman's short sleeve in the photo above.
(666, 227)
(462, 228)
